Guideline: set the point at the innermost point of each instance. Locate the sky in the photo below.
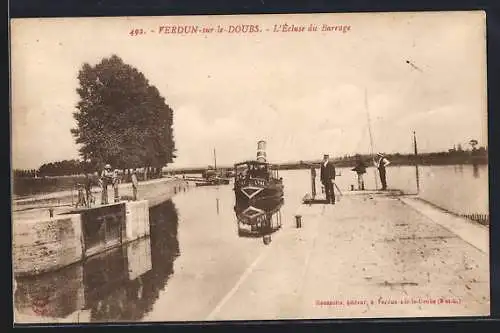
(305, 93)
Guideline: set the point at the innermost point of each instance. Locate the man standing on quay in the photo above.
(107, 178)
(135, 184)
(380, 164)
(327, 178)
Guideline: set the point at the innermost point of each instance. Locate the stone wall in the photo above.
(46, 244)
(158, 194)
(136, 220)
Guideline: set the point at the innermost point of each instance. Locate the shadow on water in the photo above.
(119, 285)
(260, 219)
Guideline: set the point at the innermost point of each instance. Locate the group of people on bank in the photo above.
(107, 178)
(328, 174)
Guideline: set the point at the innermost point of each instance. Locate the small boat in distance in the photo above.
(211, 177)
(257, 180)
(213, 181)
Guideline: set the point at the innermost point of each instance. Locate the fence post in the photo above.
(298, 221)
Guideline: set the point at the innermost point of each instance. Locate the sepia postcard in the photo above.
(249, 167)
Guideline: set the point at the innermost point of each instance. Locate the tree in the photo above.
(121, 119)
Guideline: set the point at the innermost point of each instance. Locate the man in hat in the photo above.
(107, 178)
(327, 178)
(380, 164)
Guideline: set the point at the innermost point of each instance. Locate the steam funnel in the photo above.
(261, 151)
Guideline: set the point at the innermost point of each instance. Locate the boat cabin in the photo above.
(255, 169)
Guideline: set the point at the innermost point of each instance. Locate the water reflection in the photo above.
(459, 168)
(119, 285)
(475, 170)
(260, 219)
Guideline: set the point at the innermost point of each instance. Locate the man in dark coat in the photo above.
(360, 169)
(327, 178)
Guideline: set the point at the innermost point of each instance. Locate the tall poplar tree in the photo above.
(121, 118)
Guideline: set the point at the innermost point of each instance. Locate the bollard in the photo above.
(51, 212)
(267, 239)
(298, 221)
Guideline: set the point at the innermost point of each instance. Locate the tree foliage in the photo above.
(64, 168)
(121, 118)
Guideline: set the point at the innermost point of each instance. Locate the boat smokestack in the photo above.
(261, 151)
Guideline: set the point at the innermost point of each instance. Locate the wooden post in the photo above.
(298, 221)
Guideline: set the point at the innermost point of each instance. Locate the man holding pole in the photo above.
(380, 164)
(327, 178)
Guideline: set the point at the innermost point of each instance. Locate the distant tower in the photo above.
(261, 151)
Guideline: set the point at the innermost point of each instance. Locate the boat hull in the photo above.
(252, 193)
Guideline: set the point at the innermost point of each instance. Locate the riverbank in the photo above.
(371, 246)
(45, 240)
(371, 255)
(155, 191)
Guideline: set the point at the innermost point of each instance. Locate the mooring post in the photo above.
(267, 239)
(298, 221)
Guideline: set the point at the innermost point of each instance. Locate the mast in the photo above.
(415, 144)
(415, 150)
(215, 161)
(371, 136)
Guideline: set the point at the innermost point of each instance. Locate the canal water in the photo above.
(195, 252)
(461, 189)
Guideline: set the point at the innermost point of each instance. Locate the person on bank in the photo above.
(135, 184)
(88, 189)
(381, 163)
(313, 181)
(360, 169)
(116, 182)
(107, 178)
(327, 178)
